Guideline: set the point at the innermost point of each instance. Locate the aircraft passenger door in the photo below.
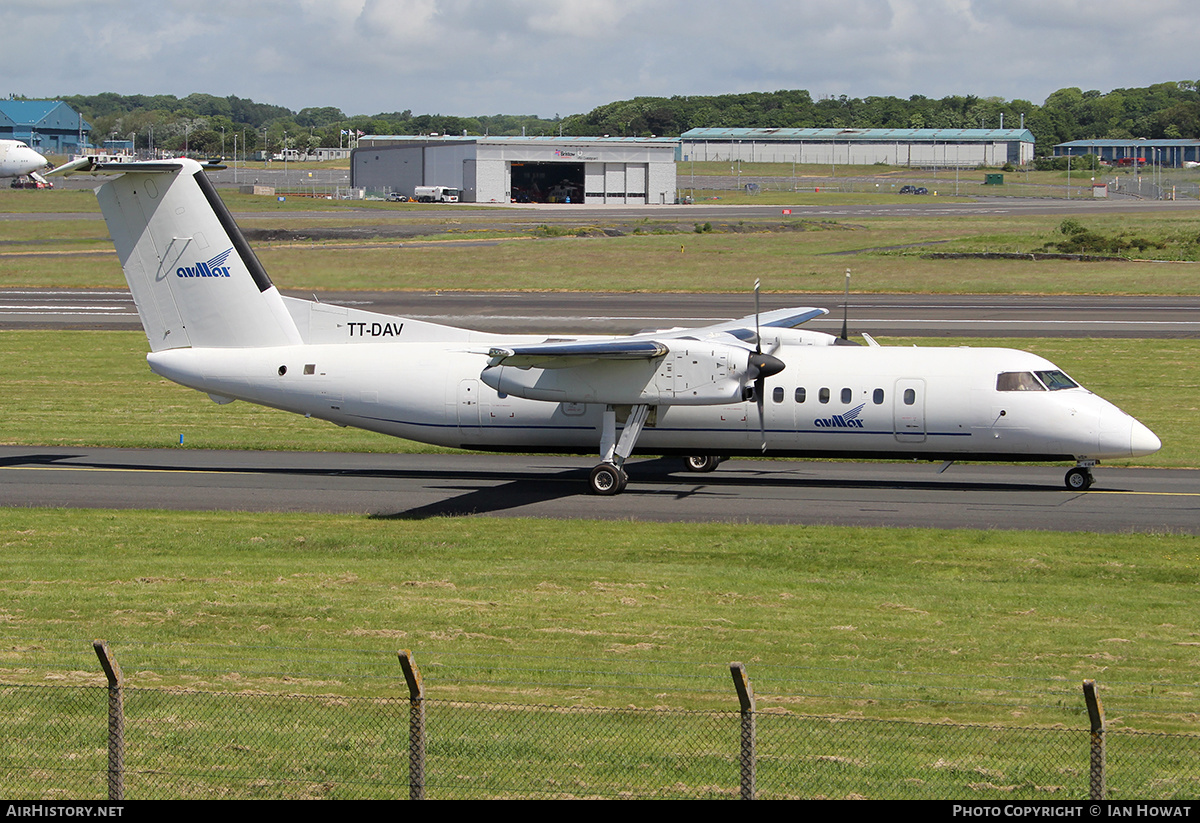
(468, 408)
(908, 410)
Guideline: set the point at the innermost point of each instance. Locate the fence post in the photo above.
(416, 726)
(1097, 783)
(748, 756)
(116, 721)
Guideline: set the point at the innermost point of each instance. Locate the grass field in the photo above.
(788, 254)
(914, 624)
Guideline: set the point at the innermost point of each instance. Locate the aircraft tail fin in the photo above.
(193, 276)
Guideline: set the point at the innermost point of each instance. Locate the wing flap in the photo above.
(565, 355)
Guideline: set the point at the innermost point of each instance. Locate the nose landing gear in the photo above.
(1080, 478)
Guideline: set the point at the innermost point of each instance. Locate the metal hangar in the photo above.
(591, 170)
(897, 147)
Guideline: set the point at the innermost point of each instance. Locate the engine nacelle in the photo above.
(690, 373)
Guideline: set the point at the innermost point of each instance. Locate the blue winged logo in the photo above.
(210, 268)
(845, 420)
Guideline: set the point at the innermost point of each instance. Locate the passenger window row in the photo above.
(824, 395)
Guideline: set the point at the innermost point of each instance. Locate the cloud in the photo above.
(539, 57)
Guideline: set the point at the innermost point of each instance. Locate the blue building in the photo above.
(48, 126)
(1136, 152)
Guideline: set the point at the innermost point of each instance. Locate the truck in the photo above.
(435, 194)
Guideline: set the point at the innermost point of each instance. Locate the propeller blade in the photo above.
(760, 388)
(757, 335)
(846, 308)
(759, 367)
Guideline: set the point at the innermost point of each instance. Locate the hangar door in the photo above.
(616, 183)
(532, 182)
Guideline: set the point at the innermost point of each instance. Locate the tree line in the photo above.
(1164, 110)
(207, 124)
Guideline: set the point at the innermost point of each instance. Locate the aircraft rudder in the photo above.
(194, 278)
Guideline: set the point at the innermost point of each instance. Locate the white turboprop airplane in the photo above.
(751, 386)
(18, 160)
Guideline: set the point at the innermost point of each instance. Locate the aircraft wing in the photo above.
(743, 328)
(560, 355)
(565, 354)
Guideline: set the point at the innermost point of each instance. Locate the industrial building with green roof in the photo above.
(895, 147)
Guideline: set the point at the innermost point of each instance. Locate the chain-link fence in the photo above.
(1154, 184)
(942, 184)
(173, 743)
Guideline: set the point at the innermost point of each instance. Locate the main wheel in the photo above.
(1079, 479)
(607, 479)
(702, 462)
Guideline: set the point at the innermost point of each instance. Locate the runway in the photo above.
(748, 491)
(600, 313)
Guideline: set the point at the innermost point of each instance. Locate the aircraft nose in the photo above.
(1123, 436)
(1142, 441)
(32, 158)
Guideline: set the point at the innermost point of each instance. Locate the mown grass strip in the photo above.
(917, 624)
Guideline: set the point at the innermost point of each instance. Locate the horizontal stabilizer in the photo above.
(90, 165)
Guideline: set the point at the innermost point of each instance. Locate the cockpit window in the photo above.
(1018, 381)
(1056, 380)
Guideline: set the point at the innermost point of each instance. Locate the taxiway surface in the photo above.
(749, 491)
(909, 315)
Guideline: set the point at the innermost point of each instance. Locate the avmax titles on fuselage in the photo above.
(754, 385)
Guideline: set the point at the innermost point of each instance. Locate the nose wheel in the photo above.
(1079, 479)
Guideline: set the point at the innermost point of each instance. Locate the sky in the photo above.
(560, 57)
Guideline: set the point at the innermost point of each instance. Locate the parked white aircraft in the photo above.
(756, 385)
(17, 160)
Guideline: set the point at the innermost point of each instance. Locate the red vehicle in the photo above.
(29, 183)
(1131, 161)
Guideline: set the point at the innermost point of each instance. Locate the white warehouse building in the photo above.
(627, 170)
(894, 147)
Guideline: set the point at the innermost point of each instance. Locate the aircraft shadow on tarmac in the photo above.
(484, 491)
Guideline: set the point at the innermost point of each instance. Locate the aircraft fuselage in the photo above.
(936, 403)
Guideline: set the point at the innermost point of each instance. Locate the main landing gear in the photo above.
(1080, 478)
(609, 477)
(702, 462)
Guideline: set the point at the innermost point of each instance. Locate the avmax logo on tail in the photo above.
(849, 420)
(212, 268)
